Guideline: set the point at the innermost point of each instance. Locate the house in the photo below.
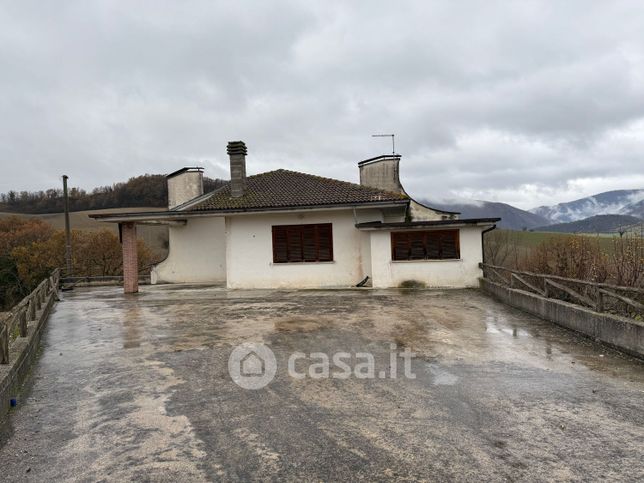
(295, 230)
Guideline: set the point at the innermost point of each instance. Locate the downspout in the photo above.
(483, 241)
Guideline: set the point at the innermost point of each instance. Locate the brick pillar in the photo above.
(130, 258)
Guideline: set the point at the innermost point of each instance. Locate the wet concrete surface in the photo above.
(137, 388)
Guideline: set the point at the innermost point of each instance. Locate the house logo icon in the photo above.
(252, 366)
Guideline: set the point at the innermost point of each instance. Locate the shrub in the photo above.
(619, 260)
(412, 284)
(31, 250)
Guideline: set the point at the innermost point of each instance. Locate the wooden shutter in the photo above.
(399, 246)
(309, 243)
(280, 249)
(449, 244)
(325, 242)
(433, 246)
(294, 243)
(303, 243)
(425, 245)
(417, 245)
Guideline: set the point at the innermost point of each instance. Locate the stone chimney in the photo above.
(382, 173)
(237, 153)
(184, 185)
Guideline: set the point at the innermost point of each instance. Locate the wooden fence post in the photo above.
(31, 309)
(600, 300)
(4, 344)
(22, 314)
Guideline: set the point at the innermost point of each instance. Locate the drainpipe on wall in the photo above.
(483, 241)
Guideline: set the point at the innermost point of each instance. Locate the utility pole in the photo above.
(68, 234)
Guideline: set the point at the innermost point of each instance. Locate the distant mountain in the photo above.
(634, 209)
(595, 224)
(511, 217)
(623, 202)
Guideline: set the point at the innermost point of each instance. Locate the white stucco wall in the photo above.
(423, 213)
(249, 252)
(434, 273)
(197, 253)
(238, 250)
(365, 255)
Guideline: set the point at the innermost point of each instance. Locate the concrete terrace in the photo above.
(137, 387)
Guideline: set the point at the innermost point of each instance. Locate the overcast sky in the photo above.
(524, 102)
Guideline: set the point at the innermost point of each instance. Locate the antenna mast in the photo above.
(392, 136)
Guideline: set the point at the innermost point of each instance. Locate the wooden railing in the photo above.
(601, 297)
(14, 323)
(144, 277)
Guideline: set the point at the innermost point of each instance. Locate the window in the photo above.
(425, 245)
(303, 243)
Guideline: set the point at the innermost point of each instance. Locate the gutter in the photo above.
(483, 241)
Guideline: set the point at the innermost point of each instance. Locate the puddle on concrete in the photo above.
(142, 381)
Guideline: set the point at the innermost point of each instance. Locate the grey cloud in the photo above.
(526, 102)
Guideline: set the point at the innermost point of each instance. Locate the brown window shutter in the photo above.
(417, 246)
(325, 242)
(280, 249)
(294, 243)
(449, 244)
(309, 243)
(303, 243)
(425, 245)
(400, 246)
(433, 247)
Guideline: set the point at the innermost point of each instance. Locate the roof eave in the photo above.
(418, 225)
(182, 215)
(323, 206)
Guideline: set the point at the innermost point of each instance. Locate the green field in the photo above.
(536, 237)
(156, 237)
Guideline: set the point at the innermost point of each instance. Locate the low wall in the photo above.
(620, 332)
(23, 352)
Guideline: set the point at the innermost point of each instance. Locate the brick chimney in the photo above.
(184, 185)
(382, 173)
(237, 153)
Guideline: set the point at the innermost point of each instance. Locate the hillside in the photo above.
(634, 209)
(155, 236)
(624, 202)
(595, 224)
(511, 218)
(146, 190)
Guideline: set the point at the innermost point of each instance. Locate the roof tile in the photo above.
(283, 188)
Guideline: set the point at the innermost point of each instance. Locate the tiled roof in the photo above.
(283, 189)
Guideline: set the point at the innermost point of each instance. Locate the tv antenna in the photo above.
(393, 142)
